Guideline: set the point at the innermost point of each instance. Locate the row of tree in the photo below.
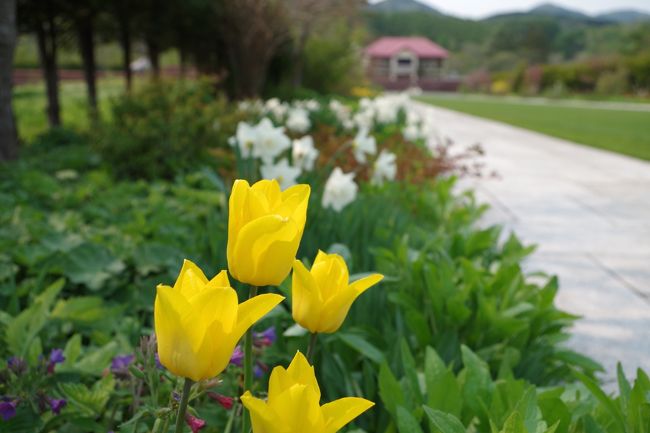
(235, 40)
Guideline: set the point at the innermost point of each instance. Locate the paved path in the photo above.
(589, 212)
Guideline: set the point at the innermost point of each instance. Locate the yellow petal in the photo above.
(191, 279)
(298, 410)
(331, 274)
(365, 283)
(336, 308)
(219, 280)
(174, 344)
(237, 215)
(253, 310)
(264, 251)
(306, 301)
(263, 419)
(298, 373)
(340, 412)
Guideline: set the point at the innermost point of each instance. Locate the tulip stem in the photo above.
(185, 398)
(312, 347)
(248, 366)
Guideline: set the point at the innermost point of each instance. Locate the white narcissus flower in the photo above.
(385, 167)
(411, 132)
(298, 120)
(363, 144)
(340, 190)
(304, 153)
(246, 138)
(364, 119)
(271, 141)
(277, 108)
(284, 173)
(312, 104)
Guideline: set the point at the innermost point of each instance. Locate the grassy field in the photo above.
(626, 132)
(29, 105)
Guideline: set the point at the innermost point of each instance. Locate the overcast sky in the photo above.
(482, 8)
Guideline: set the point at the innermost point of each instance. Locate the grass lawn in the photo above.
(29, 104)
(626, 132)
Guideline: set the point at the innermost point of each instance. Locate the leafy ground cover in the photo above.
(625, 132)
(456, 338)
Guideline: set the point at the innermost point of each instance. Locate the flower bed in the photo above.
(454, 337)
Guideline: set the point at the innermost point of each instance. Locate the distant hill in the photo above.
(624, 16)
(401, 6)
(552, 10)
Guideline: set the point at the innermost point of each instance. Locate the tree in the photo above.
(82, 14)
(252, 31)
(8, 136)
(42, 17)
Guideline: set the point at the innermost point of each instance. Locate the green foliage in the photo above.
(164, 129)
(510, 405)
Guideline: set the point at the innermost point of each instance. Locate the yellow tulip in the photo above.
(293, 404)
(322, 297)
(265, 226)
(199, 322)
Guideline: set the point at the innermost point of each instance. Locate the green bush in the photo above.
(164, 129)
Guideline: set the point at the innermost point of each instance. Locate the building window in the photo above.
(404, 61)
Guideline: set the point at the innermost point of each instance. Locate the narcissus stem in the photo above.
(185, 398)
(312, 347)
(248, 366)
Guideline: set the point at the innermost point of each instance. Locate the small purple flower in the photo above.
(159, 366)
(259, 370)
(56, 357)
(7, 409)
(56, 404)
(237, 357)
(120, 364)
(17, 365)
(266, 337)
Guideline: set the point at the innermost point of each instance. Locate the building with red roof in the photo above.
(398, 63)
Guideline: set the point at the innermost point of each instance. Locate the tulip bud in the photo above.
(265, 226)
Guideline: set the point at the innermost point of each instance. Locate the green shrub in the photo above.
(164, 129)
(613, 83)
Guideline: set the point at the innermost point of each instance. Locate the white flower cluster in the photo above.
(270, 143)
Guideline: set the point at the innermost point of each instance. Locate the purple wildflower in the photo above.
(56, 404)
(237, 356)
(266, 337)
(17, 365)
(56, 357)
(120, 364)
(7, 409)
(258, 371)
(159, 366)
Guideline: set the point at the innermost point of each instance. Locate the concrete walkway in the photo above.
(589, 212)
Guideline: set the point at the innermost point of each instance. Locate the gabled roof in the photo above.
(390, 45)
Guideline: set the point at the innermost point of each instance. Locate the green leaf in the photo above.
(608, 404)
(410, 372)
(83, 310)
(514, 424)
(97, 360)
(444, 422)
(91, 265)
(24, 328)
(390, 390)
(362, 346)
(406, 422)
(624, 387)
(477, 388)
(86, 401)
(25, 421)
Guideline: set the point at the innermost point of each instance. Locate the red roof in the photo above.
(389, 46)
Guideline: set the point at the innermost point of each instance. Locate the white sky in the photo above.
(483, 8)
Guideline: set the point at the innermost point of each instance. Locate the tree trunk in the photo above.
(153, 50)
(8, 136)
(46, 36)
(85, 30)
(125, 42)
(298, 58)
